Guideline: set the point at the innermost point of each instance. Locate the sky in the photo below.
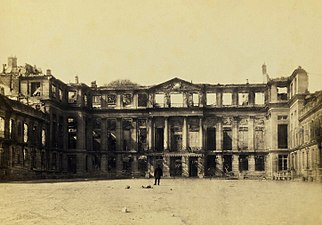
(152, 41)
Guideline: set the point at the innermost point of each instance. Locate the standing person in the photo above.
(157, 175)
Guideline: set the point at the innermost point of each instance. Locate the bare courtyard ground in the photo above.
(175, 201)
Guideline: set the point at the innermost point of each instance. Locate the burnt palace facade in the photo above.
(52, 129)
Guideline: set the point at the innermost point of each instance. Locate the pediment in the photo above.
(176, 85)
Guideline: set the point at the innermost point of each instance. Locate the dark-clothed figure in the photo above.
(157, 175)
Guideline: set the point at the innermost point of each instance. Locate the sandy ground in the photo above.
(175, 201)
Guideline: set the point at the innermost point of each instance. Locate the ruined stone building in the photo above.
(49, 128)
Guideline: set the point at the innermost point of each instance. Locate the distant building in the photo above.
(270, 130)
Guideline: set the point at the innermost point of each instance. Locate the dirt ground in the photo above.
(175, 201)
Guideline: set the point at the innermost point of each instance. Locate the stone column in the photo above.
(134, 135)
(185, 166)
(119, 104)
(235, 165)
(166, 166)
(104, 163)
(251, 163)
(201, 133)
(201, 168)
(104, 134)
(184, 134)
(251, 134)
(119, 140)
(219, 134)
(150, 133)
(119, 164)
(235, 134)
(235, 97)
(135, 166)
(166, 134)
(219, 99)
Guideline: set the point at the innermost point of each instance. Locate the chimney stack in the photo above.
(12, 62)
(76, 79)
(264, 72)
(93, 84)
(48, 72)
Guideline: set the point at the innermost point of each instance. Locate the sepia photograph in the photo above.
(172, 112)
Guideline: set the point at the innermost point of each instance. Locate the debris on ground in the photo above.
(147, 187)
(124, 210)
(127, 187)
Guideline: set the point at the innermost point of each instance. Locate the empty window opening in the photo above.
(159, 100)
(111, 134)
(211, 138)
(111, 100)
(227, 99)
(159, 140)
(25, 132)
(243, 163)
(142, 100)
(211, 99)
(259, 139)
(127, 99)
(96, 99)
(53, 91)
(282, 136)
(35, 89)
(72, 96)
(227, 139)
(2, 127)
(176, 100)
(195, 99)
(96, 135)
(227, 163)
(259, 98)
(259, 163)
(242, 99)
(243, 138)
(72, 132)
(211, 165)
(281, 93)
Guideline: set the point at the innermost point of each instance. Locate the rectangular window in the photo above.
(96, 99)
(159, 100)
(35, 89)
(243, 163)
(227, 139)
(53, 91)
(282, 162)
(281, 93)
(259, 163)
(72, 132)
(111, 100)
(2, 127)
(242, 98)
(211, 99)
(60, 94)
(127, 99)
(282, 136)
(25, 133)
(111, 134)
(72, 96)
(259, 98)
(243, 138)
(142, 100)
(176, 100)
(227, 99)
(259, 139)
